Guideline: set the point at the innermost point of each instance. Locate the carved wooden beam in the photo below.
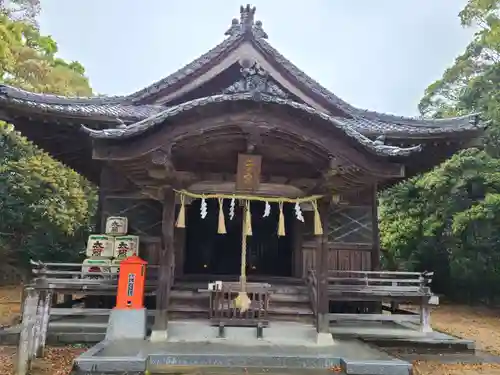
(312, 142)
(253, 136)
(163, 157)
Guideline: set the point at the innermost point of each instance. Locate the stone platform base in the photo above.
(130, 356)
(126, 324)
(277, 334)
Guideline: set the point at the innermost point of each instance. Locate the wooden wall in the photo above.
(352, 228)
(352, 236)
(338, 258)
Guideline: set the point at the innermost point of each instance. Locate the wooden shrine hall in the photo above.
(241, 152)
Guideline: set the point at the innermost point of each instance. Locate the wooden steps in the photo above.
(288, 301)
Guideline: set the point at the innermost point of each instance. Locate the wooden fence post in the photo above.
(45, 323)
(38, 322)
(42, 322)
(26, 338)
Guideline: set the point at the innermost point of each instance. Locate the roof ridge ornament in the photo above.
(247, 24)
(254, 79)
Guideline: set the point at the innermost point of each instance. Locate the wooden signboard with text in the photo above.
(248, 172)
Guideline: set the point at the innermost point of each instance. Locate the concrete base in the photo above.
(366, 367)
(159, 336)
(324, 339)
(126, 324)
(188, 357)
(278, 333)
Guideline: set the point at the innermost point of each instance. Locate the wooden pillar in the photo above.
(165, 270)
(322, 268)
(100, 221)
(375, 255)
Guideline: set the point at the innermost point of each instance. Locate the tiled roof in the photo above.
(82, 107)
(374, 127)
(128, 113)
(193, 67)
(157, 119)
(335, 101)
(127, 109)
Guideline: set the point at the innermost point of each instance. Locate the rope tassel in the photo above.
(318, 228)
(281, 221)
(242, 301)
(248, 219)
(181, 217)
(221, 229)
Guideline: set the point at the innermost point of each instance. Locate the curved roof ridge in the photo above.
(186, 70)
(157, 86)
(319, 89)
(18, 93)
(214, 53)
(155, 120)
(244, 29)
(111, 112)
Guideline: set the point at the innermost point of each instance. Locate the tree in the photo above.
(448, 219)
(46, 209)
(21, 10)
(28, 60)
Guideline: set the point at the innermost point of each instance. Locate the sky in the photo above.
(378, 55)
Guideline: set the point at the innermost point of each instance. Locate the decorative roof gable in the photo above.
(247, 24)
(255, 80)
(276, 78)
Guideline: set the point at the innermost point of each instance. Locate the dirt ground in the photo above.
(9, 305)
(57, 361)
(476, 323)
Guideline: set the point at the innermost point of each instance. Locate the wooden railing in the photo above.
(223, 312)
(69, 277)
(378, 287)
(383, 286)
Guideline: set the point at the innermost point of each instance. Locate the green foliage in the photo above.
(448, 220)
(28, 60)
(46, 209)
(444, 219)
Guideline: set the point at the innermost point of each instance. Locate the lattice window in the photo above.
(351, 224)
(144, 215)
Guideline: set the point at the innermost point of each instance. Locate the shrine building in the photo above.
(239, 138)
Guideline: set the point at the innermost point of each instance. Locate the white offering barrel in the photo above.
(116, 225)
(100, 245)
(126, 246)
